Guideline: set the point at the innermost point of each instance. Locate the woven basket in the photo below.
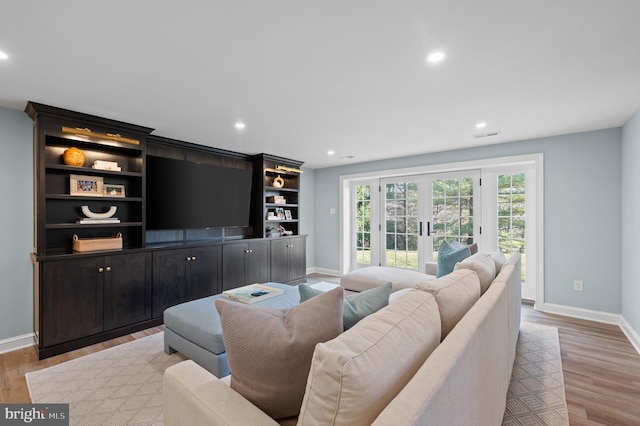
(97, 244)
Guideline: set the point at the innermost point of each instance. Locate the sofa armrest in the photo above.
(194, 396)
(431, 268)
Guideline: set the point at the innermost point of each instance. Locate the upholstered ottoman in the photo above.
(193, 328)
(374, 276)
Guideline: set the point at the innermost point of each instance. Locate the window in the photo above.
(363, 224)
(511, 216)
(452, 205)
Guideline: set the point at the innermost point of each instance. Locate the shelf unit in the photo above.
(57, 211)
(275, 214)
(85, 298)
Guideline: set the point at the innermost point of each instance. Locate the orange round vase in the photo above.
(73, 157)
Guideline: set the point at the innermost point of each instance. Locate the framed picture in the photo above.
(280, 212)
(86, 186)
(111, 190)
(287, 215)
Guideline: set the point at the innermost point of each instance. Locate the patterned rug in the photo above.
(117, 386)
(123, 385)
(536, 392)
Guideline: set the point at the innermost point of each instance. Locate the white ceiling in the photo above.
(312, 75)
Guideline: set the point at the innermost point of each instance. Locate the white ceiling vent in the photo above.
(486, 135)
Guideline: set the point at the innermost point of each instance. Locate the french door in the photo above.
(402, 221)
(414, 215)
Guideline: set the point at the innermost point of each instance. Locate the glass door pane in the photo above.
(401, 231)
(511, 216)
(452, 211)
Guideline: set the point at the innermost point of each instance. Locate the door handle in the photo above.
(428, 229)
(420, 232)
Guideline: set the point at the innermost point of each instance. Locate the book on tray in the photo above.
(252, 293)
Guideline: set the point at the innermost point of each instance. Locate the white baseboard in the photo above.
(586, 314)
(597, 316)
(323, 271)
(631, 334)
(15, 343)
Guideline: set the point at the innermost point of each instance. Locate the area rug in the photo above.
(536, 391)
(123, 385)
(117, 386)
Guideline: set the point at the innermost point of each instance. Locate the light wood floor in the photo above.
(601, 368)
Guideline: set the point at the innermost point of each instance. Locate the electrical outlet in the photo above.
(578, 285)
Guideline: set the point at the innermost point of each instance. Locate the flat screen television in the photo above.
(188, 195)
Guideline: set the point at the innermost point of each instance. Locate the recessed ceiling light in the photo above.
(436, 57)
(481, 125)
(331, 152)
(3, 55)
(240, 125)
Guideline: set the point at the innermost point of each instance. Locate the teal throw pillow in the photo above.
(356, 306)
(449, 255)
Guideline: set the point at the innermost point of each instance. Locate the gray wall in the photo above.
(582, 211)
(631, 220)
(307, 212)
(16, 224)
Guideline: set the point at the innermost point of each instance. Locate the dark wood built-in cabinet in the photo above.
(92, 294)
(181, 275)
(245, 263)
(288, 260)
(84, 298)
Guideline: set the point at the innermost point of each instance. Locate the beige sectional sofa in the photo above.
(438, 354)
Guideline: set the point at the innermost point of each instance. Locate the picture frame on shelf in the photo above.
(113, 190)
(86, 186)
(280, 212)
(287, 215)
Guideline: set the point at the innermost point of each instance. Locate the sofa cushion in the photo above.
(483, 265)
(354, 376)
(449, 255)
(356, 306)
(499, 259)
(374, 276)
(269, 350)
(455, 293)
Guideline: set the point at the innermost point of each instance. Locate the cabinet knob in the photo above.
(193, 258)
(108, 268)
(100, 269)
(188, 259)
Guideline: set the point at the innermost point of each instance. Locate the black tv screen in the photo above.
(187, 195)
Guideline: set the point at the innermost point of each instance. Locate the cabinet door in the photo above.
(233, 265)
(72, 300)
(297, 259)
(257, 262)
(280, 260)
(204, 272)
(169, 277)
(127, 289)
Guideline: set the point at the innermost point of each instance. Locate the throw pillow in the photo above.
(499, 259)
(483, 265)
(455, 293)
(269, 350)
(356, 306)
(473, 248)
(449, 255)
(354, 376)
